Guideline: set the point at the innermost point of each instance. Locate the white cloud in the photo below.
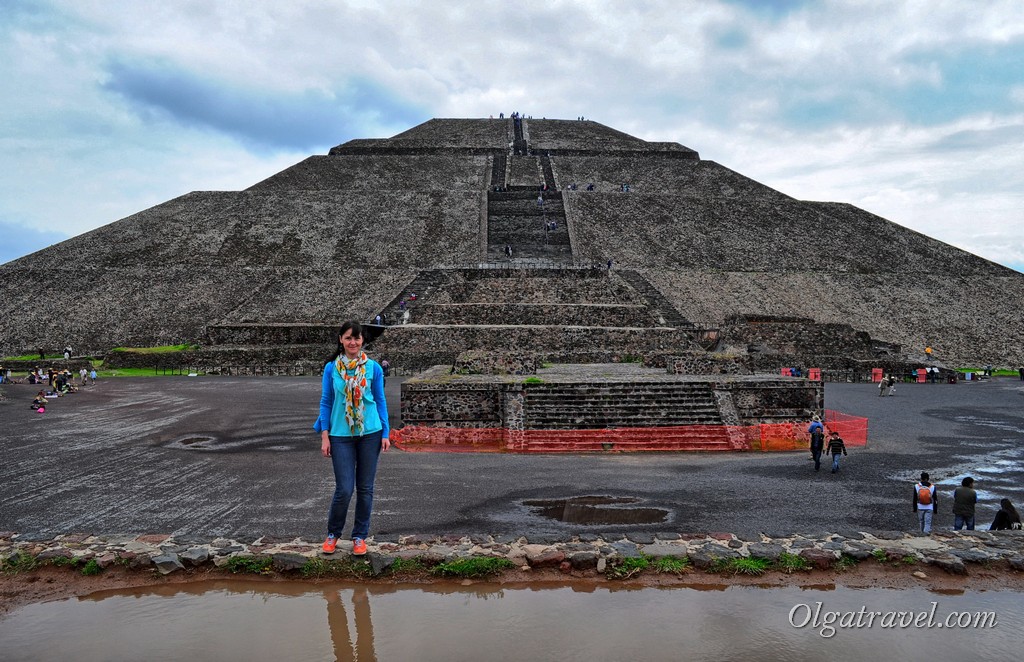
(817, 99)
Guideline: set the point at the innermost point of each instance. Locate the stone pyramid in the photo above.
(697, 249)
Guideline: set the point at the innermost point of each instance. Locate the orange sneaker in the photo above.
(330, 544)
(358, 547)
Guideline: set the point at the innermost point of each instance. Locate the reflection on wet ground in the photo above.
(596, 510)
(274, 621)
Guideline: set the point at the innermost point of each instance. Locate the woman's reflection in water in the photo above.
(337, 620)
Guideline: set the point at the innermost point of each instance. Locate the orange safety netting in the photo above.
(853, 429)
(764, 437)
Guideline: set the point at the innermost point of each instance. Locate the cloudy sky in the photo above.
(913, 110)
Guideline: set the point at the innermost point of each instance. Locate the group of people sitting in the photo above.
(58, 382)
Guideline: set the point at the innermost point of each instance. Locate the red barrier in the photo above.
(922, 375)
(764, 437)
(876, 375)
(814, 374)
(853, 429)
(787, 372)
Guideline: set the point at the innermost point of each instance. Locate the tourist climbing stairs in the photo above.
(402, 309)
(519, 146)
(529, 222)
(549, 174)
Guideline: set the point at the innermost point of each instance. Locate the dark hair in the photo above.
(357, 332)
(924, 476)
(967, 482)
(1008, 507)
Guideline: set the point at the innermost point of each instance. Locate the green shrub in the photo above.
(19, 562)
(672, 564)
(790, 563)
(477, 566)
(407, 566)
(254, 565)
(91, 567)
(63, 561)
(748, 565)
(845, 562)
(627, 567)
(533, 380)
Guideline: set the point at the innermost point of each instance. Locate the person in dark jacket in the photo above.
(964, 499)
(1007, 517)
(817, 431)
(836, 447)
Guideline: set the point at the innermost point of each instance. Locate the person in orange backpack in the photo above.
(925, 502)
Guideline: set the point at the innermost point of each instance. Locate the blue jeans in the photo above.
(835, 461)
(355, 467)
(925, 518)
(959, 521)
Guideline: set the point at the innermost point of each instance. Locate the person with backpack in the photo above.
(925, 502)
(817, 431)
(836, 447)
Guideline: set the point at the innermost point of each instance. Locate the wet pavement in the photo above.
(236, 457)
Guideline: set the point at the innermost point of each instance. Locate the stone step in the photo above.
(616, 388)
(529, 251)
(532, 235)
(618, 419)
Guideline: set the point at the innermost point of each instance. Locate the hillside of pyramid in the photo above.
(352, 233)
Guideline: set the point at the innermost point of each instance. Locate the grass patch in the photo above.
(91, 567)
(675, 565)
(128, 372)
(628, 567)
(1001, 372)
(533, 380)
(407, 566)
(19, 562)
(253, 565)
(33, 357)
(845, 562)
(478, 566)
(790, 563)
(748, 565)
(63, 561)
(880, 555)
(909, 559)
(160, 349)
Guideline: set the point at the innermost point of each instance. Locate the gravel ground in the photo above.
(237, 457)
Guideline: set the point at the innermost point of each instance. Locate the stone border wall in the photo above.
(959, 553)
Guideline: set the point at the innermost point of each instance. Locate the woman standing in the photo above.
(353, 427)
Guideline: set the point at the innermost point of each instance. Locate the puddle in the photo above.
(596, 510)
(256, 621)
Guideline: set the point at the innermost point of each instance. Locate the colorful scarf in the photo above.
(355, 383)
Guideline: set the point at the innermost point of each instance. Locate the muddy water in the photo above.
(296, 621)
